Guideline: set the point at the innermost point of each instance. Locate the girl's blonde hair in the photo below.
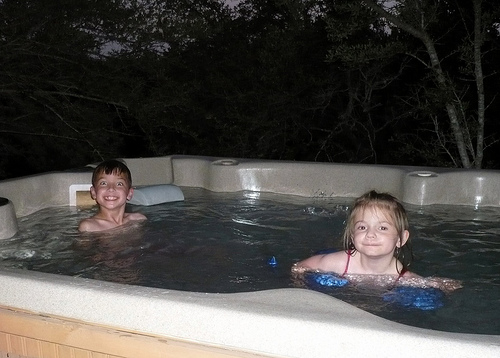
(389, 205)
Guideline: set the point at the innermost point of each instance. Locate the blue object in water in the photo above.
(325, 279)
(272, 262)
(422, 298)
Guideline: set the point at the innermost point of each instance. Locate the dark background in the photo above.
(332, 81)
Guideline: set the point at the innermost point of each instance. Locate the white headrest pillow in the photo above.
(156, 194)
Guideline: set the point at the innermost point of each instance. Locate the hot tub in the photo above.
(45, 315)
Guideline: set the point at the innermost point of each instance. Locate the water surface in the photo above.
(222, 242)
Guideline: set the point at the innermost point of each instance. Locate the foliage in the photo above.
(56, 111)
(444, 43)
(316, 80)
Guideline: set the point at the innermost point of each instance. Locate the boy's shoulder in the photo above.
(134, 216)
(85, 225)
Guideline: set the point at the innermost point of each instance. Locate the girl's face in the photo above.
(111, 191)
(374, 233)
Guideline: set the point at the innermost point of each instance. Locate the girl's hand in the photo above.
(441, 283)
(445, 284)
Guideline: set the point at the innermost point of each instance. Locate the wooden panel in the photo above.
(24, 335)
(84, 199)
(32, 347)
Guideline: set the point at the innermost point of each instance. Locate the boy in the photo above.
(111, 188)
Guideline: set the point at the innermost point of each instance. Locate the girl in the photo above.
(377, 247)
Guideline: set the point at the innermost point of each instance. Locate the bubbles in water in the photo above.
(240, 279)
(46, 255)
(24, 254)
(338, 210)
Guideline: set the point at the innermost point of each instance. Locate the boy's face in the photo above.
(111, 190)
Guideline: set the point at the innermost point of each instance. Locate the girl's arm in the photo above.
(332, 262)
(442, 283)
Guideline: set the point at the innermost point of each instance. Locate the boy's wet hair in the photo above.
(389, 205)
(112, 166)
